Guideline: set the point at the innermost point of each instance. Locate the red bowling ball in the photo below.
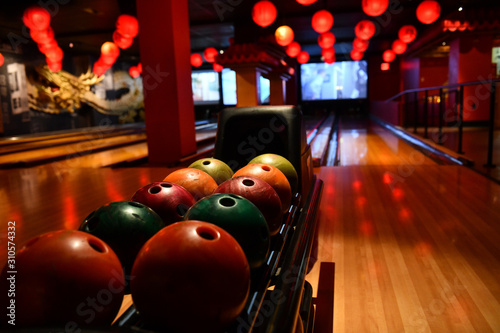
(169, 200)
(191, 277)
(65, 278)
(261, 194)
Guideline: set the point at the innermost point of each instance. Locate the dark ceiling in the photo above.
(89, 23)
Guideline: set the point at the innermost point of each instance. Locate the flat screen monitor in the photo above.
(228, 87)
(340, 80)
(205, 87)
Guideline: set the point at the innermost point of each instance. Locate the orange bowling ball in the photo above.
(197, 182)
(274, 177)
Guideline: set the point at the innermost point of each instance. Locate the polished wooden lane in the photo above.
(363, 142)
(416, 248)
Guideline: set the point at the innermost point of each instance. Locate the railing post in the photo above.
(489, 163)
(441, 112)
(460, 118)
(426, 113)
(415, 97)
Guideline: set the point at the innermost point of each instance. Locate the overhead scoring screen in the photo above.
(340, 80)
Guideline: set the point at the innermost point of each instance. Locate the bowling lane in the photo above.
(363, 142)
(415, 249)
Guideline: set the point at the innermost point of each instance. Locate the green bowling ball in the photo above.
(217, 169)
(125, 226)
(238, 216)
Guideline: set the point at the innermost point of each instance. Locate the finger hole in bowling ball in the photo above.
(181, 209)
(155, 190)
(266, 168)
(248, 182)
(97, 245)
(206, 162)
(207, 233)
(227, 202)
(135, 204)
(166, 185)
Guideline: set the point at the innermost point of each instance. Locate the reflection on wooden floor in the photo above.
(416, 249)
(365, 143)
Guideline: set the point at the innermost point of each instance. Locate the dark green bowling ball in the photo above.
(238, 216)
(125, 226)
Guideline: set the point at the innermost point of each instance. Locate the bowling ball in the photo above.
(169, 200)
(238, 216)
(65, 278)
(197, 182)
(191, 276)
(217, 169)
(274, 177)
(125, 226)
(261, 194)
(283, 165)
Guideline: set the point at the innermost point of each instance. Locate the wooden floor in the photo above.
(415, 245)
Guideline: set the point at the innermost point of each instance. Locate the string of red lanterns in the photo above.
(356, 55)
(360, 44)
(264, 13)
(37, 19)
(328, 53)
(428, 11)
(109, 54)
(127, 28)
(398, 46)
(385, 66)
(217, 67)
(388, 55)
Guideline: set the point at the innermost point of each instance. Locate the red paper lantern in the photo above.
(303, 57)
(134, 72)
(54, 66)
(407, 33)
(55, 54)
(322, 21)
(264, 13)
(385, 66)
(356, 55)
(217, 67)
(127, 26)
(306, 2)
(99, 68)
(360, 44)
(364, 29)
(398, 46)
(42, 36)
(293, 49)
(374, 7)
(284, 35)
(109, 53)
(330, 60)
(210, 53)
(46, 47)
(139, 67)
(2, 59)
(326, 40)
(121, 41)
(328, 53)
(388, 55)
(196, 60)
(428, 11)
(36, 18)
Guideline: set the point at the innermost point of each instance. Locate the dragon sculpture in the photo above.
(64, 92)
